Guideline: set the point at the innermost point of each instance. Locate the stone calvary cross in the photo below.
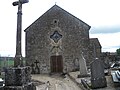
(18, 56)
(19, 76)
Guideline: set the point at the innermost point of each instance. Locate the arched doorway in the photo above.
(56, 63)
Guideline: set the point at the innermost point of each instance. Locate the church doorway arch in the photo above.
(56, 63)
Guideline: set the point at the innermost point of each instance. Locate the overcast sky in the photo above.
(102, 15)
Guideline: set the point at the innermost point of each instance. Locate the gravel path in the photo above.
(55, 83)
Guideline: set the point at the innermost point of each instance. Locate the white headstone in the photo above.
(82, 66)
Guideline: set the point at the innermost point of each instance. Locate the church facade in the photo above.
(55, 41)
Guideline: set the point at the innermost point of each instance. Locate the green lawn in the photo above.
(6, 63)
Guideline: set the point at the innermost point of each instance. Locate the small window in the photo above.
(55, 22)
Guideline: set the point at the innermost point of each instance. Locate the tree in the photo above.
(118, 51)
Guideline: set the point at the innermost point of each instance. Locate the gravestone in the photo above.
(82, 67)
(98, 79)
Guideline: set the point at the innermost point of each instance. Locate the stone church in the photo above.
(55, 41)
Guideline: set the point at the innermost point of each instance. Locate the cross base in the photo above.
(18, 78)
(28, 86)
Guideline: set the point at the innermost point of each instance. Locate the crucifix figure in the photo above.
(36, 63)
(18, 56)
(37, 70)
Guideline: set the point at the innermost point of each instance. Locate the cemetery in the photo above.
(59, 54)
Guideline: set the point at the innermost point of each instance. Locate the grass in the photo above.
(8, 63)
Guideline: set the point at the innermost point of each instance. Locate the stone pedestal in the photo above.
(18, 78)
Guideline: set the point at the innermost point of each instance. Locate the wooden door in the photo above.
(56, 64)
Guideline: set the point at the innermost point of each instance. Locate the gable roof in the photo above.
(96, 42)
(56, 7)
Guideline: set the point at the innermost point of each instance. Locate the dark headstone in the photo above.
(98, 79)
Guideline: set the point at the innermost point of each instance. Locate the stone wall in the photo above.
(95, 49)
(40, 47)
